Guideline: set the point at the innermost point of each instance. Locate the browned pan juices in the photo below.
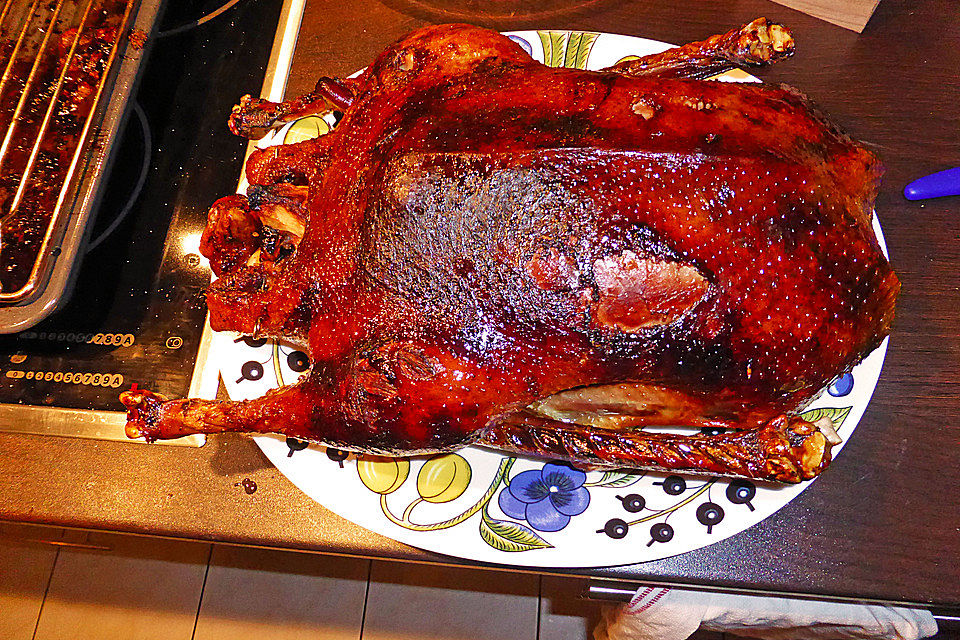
(56, 57)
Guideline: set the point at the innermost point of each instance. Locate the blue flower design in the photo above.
(546, 498)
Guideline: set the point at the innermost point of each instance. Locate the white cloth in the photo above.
(674, 614)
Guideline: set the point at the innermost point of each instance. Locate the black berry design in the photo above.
(709, 514)
(251, 370)
(337, 455)
(253, 343)
(712, 431)
(633, 502)
(660, 532)
(298, 361)
(615, 528)
(295, 444)
(673, 485)
(741, 492)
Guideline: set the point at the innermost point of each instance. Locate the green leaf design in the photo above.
(616, 479)
(554, 43)
(558, 42)
(836, 414)
(573, 46)
(510, 536)
(579, 45)
(547, 49)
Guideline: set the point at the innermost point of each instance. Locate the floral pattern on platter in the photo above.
(485, 506)
(534, 503)
(547, 498)
(510, 505)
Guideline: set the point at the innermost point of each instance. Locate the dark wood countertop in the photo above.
(882, 524)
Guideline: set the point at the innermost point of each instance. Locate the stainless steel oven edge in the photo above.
(77, 423)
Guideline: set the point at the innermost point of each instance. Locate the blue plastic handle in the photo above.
(935, 185)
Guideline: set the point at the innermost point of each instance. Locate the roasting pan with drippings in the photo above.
(67, 67)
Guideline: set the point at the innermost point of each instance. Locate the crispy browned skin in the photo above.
(787, 448)
(483, 233)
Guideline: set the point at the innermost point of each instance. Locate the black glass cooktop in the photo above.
(137, 311)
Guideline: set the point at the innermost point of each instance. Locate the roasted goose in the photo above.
(490, 251)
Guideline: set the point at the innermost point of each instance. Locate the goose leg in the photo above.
(755, 44)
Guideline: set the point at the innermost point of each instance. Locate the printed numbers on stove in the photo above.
(113, 339)
(105, 339)
(114, 380)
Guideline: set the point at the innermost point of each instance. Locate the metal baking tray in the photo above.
(26, 30)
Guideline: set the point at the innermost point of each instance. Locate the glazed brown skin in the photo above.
(483, 232)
